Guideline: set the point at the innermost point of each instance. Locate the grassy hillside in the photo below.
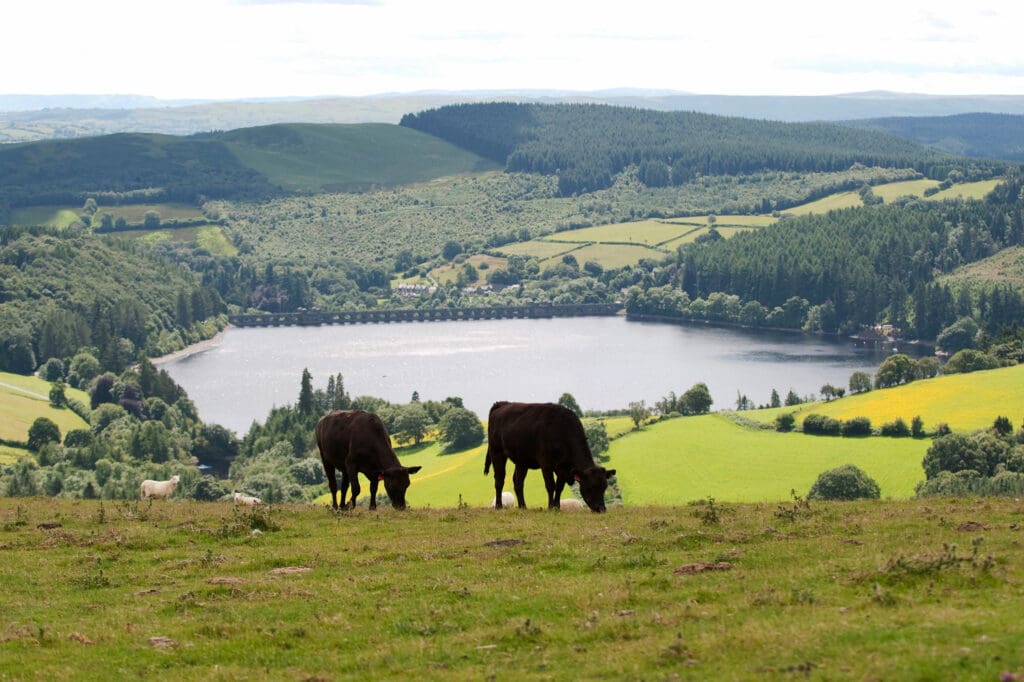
(1003, 268)
(343, 158)
(963, 401)
(246, 163)
(691, 458)
(24, 399)
(881, 590)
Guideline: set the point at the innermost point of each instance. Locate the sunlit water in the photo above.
(605, 362)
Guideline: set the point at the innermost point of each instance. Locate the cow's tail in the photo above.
(487, 460)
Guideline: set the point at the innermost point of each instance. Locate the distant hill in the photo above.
(24, 118)
(248, 163)
(587, 145)
(980, 135)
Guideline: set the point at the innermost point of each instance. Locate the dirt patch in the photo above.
(702, 567)
(971, 527)
(290, 570)
(228, 580)
(511, 542)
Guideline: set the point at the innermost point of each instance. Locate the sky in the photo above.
(230, 49)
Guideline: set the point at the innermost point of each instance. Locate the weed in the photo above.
(131, 509)
(919, 565)
(797, 509)
(20, 519)
(91, 581)
(707, 512)
(101, 514)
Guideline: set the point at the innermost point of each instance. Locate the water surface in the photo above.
(605, 362)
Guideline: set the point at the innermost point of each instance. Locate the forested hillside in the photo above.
(981, 135)
(61, 292)
(852, 267)
(587, 145)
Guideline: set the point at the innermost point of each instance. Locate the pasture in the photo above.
(677, 461)
(830, 203)
(963, 401)
(967, 190)
(641, 232)
(612, 255)
(812, 591)
(134, 214)
(892, 190)
(23, 399)
(210, 237)
(449, 272)
(680, 460)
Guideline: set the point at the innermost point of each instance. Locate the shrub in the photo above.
(785, 422)
(917, 427)
(847, 482)
(896, 429)
(858, 426)
(820, 425)
(969, 360)
(41, 432)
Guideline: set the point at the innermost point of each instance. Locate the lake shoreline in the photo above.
(193, 349)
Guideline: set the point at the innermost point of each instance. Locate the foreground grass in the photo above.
(880, 590)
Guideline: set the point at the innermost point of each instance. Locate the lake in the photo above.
(605, 362)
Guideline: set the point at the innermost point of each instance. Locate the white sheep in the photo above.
(570, 503)
(242, 498)
(160, 490)
(507, 500)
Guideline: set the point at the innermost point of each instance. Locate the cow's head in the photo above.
(593, 482)
(396, 482)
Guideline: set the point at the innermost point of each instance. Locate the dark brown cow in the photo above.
(548, 437)
(356, 442)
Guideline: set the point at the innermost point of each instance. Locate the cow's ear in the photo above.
(412, 470)
(608, 473)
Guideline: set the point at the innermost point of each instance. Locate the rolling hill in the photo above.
(251, 163)
(979, 135)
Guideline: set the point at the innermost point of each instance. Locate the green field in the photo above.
(210, 237)
(691, 458)
(826, 204)
(641, 232)
(316, 158)
(134, 214)
(536, 248)
(963, 401)
(967, 190)
(818, 591)
(613, 255)
(23, 399)
(892, 190)
(450, 271)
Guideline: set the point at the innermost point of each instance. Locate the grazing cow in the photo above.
(242, 498)
(507, 499)
(160, 490)
(356, 442)
(548, 437)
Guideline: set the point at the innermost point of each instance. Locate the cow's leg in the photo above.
(560, 484)
(499, 479)
(549, 485)
(332, 482)
(374, 482)
(353, 481)
(344, 488)
(518, 478)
